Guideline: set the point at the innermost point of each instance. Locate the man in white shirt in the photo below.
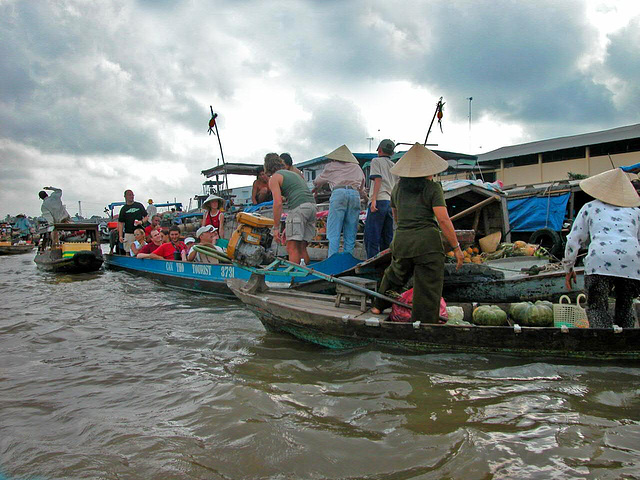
(378, 228)
(52, 208)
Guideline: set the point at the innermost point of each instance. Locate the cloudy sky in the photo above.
(100, 96)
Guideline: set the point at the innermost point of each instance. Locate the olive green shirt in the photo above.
(418, 231)
(295, 189)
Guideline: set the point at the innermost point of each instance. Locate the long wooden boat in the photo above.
(315, 318)
(509, 280)
(70, 248)
(212, 278)
(16, 249)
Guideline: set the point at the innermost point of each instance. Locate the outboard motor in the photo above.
(250, 243)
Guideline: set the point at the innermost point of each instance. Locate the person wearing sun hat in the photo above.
(346, 180)
(419, 208)
(610, 225)
(207, 237)
(151, 208)
(213, 215)
(378, 228)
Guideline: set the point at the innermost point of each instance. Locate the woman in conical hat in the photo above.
(421, 213)
(213, 215)
(610, 224)
(346, 180)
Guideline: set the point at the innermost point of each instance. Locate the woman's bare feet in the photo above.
(375, 311)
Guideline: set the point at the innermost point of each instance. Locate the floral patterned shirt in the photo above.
(613, 235)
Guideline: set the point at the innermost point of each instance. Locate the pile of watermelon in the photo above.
(528, 314)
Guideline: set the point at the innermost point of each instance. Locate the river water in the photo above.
(109, 376)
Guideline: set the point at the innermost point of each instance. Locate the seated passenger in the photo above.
(154, 225)
(165, 235)
(156, 241)
(174, 250)
(139, 241)
(261, 192)
(207, 236)
(188, 243)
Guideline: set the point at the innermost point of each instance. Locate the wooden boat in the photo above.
(211, 278)
(6, 248)
(315, 318)
(70, 248)
(509, 280)
(504, 280)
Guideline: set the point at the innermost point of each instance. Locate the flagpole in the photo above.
(217, 134)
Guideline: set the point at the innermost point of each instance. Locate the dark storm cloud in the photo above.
(624, 63)
(522, 56)
(520, 61)
(85, 78)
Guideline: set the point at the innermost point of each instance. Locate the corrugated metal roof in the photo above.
(232, 169)
(365, 157)
(594, 138)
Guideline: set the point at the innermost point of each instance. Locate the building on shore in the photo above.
(562, 158)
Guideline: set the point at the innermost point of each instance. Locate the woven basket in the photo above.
(571, 316)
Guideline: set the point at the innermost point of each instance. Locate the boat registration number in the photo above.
(227, 271)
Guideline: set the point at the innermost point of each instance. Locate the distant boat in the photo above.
(6, 248)
(70, 248)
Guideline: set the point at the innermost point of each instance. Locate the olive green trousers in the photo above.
(428, 276)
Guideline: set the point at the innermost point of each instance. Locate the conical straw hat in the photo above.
(342, 154)
(489, 244)
(419, 161)
(613, 187)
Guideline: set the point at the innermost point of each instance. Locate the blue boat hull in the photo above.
(210, 278)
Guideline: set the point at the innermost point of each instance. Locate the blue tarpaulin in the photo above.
(631, 168)
(533, 213)
(255, 208)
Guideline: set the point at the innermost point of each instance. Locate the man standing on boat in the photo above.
(378, 228)
(151, 209)
(346, 180)
(300, 225)
(131, 215)
(52, 208)
(23, 226)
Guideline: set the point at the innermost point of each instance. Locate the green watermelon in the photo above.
(528, 314)
(518, 310)
(489, 315)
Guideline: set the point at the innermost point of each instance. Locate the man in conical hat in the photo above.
(346, 180)
(610, 225)
(378, 228)
(417, 251)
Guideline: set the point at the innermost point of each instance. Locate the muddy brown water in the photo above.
(110, 376)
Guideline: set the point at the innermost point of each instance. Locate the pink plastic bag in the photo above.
(403, 314)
